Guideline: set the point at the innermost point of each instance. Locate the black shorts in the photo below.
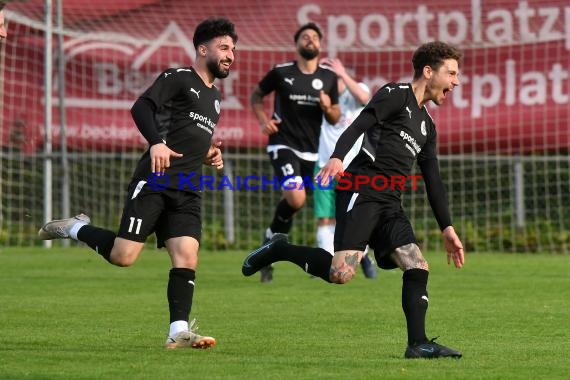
(380, 223)
(287, 164)
(168, 213)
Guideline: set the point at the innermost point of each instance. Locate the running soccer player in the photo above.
(352, 98)
(177, 115)
(305, 92)
(404, 132)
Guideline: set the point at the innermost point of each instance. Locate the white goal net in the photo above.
(70, 71)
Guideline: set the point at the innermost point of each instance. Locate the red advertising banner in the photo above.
(515, 78)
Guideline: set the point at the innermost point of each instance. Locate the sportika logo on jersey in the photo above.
(201, 120)
(409, 139)
(304, 99)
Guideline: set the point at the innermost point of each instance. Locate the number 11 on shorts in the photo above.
(132, 224)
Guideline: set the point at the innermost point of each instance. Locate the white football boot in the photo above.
(59, 229)
(189, 339)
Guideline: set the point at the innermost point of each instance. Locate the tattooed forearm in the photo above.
(409, 256)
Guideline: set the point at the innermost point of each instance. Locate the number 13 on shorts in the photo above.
(287, 169)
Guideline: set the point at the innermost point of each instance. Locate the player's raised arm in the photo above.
(359, 93)
(331, 112)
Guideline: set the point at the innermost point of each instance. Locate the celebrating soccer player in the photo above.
(177, 115)
(397, 121)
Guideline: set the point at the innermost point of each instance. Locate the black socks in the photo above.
(98, 239)
(315, 261)
(283, 218)
(180, 292)
(415, 303)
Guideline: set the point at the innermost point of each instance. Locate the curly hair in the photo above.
(433, 54)
(212, 28)
(310, 25)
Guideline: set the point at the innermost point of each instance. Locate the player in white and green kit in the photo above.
(352, 96)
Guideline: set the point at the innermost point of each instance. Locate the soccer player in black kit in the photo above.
(304, 93)
(177, 115)
(397, 120)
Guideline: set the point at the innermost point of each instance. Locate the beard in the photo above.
(215, 69)
(308, 53)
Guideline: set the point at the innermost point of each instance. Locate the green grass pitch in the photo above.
(66, 314)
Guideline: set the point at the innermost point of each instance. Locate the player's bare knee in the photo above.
(122, 261)
(343, 266)
(296, 203)
(336, 278)
(295, 198)
(340, 276)
(124, 257)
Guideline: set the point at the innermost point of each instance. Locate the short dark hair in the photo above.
(212, 28)
(309, 25)
(433, 54)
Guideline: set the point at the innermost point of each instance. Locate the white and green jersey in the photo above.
(349, 110)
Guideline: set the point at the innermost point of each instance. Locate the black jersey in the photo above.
(400, 132)
(297, 104)
(187, 112)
